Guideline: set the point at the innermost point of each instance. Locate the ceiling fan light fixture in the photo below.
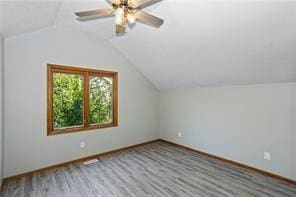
(119, 12)
(121, 22)
(131, 18)
(120, 17)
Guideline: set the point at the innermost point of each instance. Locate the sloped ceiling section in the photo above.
(202, 42)
(25, 16)
(211, 43)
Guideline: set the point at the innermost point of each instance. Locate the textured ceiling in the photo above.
(202, 42)
(22, 16)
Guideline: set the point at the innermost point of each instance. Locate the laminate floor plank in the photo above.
(156, 169)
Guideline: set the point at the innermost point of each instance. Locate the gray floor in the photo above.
(156, 169)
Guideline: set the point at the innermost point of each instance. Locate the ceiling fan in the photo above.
(127, 12)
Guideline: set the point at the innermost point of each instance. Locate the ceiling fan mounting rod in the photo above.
(124, 3)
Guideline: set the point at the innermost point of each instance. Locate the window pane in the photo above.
(67, 100)
(100, 100)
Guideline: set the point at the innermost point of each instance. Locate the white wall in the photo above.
(293, 139)
(26, 145)
(1, 105)
(237, 123)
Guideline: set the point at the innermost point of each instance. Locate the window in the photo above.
(80, 99)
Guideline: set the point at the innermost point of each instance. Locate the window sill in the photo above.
(78, 129)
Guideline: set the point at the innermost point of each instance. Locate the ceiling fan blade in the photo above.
(142, 3)
(102, 12)
(148, 19)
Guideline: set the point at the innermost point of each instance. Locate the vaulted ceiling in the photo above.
(202, 42)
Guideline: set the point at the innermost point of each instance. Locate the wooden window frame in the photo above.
(86, 73)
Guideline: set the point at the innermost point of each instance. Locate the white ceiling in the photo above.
(202, 42)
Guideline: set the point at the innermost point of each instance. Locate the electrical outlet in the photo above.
(179, 134)
(267, 156)
(90, 161)
(82, 144)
